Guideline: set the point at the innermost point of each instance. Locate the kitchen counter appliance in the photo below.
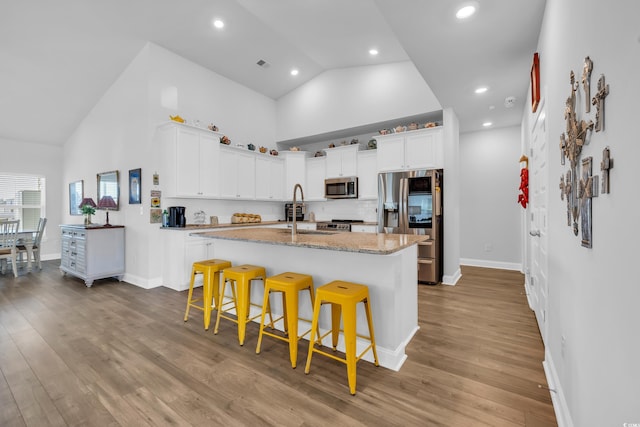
(343, 225)
(341, 188)
(411, 203)
(301, 209)
(177, 216)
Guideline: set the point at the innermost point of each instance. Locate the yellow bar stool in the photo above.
(289, 284)
(343, 297)
(210, 270)
(239, 278)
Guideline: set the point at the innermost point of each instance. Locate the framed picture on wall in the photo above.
(76, 194)
(535, 82)
(135, 186)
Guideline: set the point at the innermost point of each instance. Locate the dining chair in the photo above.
(8, 250)
(35, 249)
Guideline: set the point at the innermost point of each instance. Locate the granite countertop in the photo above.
(370, 243)
(247, 224)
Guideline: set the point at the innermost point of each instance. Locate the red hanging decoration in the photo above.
(523, 197)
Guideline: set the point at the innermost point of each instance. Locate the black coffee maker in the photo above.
(177, 217)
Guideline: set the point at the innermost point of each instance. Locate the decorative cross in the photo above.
(598, 101)
(586, 82)
(561, 186)
(568, 183)
(563, 149)
(605, 166)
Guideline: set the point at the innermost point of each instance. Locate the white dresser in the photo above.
(92, 252)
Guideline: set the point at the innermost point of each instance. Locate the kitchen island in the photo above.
(386, 263)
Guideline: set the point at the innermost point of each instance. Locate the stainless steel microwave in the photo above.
(341, 188)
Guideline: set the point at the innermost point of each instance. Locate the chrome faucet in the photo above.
(294, 228)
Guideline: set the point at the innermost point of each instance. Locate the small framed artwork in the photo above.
(135, 184)
(535, 83)
(76, 194)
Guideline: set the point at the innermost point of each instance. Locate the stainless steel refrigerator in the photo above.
(411, 203)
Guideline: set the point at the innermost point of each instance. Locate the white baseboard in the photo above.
(563, 416)
(491, 264)
(141, 282)
(452, 279)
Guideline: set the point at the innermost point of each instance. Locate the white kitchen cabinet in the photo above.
(316, 173)
(269, 178)
(180, 252)
(366, 228)
(295, 168)
(367, 174)
(342, 161)
(189, 158)
(237, 169)
(92, 252)
(419, 149)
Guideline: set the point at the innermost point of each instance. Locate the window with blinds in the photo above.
(22, 197)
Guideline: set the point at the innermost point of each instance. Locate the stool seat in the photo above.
(343, 297)
(210, 270)
(290, 284)
(240, 278)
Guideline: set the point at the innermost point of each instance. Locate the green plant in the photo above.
(88, 210)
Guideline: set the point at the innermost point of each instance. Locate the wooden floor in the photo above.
(116, 354)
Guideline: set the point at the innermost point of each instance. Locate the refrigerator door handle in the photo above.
(403, 218)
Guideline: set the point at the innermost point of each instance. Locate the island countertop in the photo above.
(370, 243)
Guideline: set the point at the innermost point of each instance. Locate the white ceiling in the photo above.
(57, 58)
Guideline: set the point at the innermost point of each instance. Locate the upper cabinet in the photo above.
(419, 149)
(269, 178)
(295, 173)
(237, 170)
(187, 154)
(367, 175)
(342, 161)
(316, 172)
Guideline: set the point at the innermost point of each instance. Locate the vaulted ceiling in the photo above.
(57, 58)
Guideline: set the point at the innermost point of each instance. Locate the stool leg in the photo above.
(220, 300)
(291, 297)
(349, 313)
(317, 327)
(371, 334)
(241, 308)
(314, 327)
(216, 288)
(265, 304)
(336, 311)
(193, 276)
(207, 295)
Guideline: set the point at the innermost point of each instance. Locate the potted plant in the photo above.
(87, 210)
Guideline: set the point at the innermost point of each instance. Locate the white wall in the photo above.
(44, 160)
(118, 134)
(490, 226)
(352, 97)
(593, 293)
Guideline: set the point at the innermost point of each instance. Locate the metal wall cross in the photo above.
(598, 101)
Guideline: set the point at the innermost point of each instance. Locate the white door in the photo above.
(538, 236)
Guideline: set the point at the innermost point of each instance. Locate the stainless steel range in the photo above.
(342, 225)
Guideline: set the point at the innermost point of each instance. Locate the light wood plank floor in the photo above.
(115, 354)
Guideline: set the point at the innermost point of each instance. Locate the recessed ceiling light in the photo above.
(373, 52)
(487, 124)
(218, 24)
(467, 10)
(482, 89)
(294, 72)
